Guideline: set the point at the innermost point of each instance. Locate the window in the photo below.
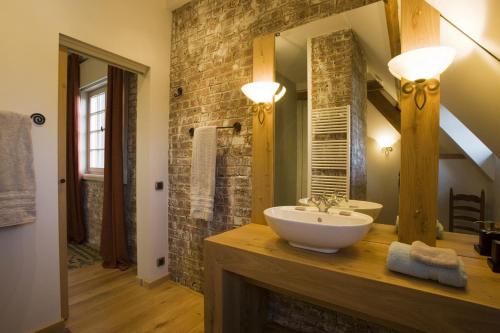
(96, 127)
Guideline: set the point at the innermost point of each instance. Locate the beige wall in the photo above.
(92, 71)
(286, 141)
(383, 179)
(29, 35)
(465, 177)
(382, 171)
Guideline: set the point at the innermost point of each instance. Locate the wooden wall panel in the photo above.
(419, 134)
(263, 134)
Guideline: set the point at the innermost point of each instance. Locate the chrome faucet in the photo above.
(324, 202)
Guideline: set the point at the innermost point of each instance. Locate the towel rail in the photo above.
(236, 126)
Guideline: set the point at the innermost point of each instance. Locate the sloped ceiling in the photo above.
(470, 88)
(478, 18)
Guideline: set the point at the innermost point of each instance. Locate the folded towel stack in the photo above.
(426, 262)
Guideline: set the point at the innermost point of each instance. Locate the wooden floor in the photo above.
(106, 300)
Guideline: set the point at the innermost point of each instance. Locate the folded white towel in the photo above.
(17, 175)
(203, 172)
(433, 256)
(399, 260)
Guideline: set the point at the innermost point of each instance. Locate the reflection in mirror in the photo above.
(338, 127)
(329, 135)
(469, 123)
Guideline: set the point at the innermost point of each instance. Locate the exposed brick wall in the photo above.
(339, 79)
(358, 122)
(331, 63)
(299, 316)
(130, 188)
(92, 197)
(93, 191)
(211, 59)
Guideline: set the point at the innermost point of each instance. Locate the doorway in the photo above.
(93, 63)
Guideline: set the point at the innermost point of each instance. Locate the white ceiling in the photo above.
(367, 22)
(478, 18)
(470, 87)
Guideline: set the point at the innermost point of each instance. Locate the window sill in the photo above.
(92, 177)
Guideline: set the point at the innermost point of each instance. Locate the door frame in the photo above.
(61, 176)
(67, 44)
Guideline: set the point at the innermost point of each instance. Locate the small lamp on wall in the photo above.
(263, 94)
(421, 67)
(385, 143)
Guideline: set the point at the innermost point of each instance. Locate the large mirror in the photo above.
(338, 126)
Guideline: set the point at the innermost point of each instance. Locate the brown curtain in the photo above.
(113, 235)
(76, 228)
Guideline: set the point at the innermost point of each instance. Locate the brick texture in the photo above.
(92, 197)
(211, 59)
(299, 316)
(93, 191)
(339, 79)
(358, 122)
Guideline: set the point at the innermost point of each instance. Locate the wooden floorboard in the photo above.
(106, 300)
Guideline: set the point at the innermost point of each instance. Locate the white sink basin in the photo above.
(366, 207)
(312, 230)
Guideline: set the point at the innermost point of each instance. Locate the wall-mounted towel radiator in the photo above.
(330, 151)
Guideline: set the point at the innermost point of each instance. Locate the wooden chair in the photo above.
(465, 209)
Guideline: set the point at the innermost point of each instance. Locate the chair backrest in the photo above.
(465, 209)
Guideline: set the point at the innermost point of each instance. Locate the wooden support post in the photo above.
(263, 134)
(419, 134)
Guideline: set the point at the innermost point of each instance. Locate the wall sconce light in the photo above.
(386, 150)
(264, 94)
(421, 67)
(385, 143)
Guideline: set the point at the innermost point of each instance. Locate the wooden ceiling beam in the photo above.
(373, 85)
(452, 156)
(392, 19)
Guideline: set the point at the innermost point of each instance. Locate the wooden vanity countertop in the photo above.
(356, 279)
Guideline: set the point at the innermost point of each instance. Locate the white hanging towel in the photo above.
(17, 175)
(203, 172)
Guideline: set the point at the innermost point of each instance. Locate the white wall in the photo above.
(29, 36)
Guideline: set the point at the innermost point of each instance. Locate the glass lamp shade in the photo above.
(280, 94)
(263, 91)
(424, 63)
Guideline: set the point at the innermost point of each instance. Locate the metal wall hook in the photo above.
(178, 92)
(38, 119)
